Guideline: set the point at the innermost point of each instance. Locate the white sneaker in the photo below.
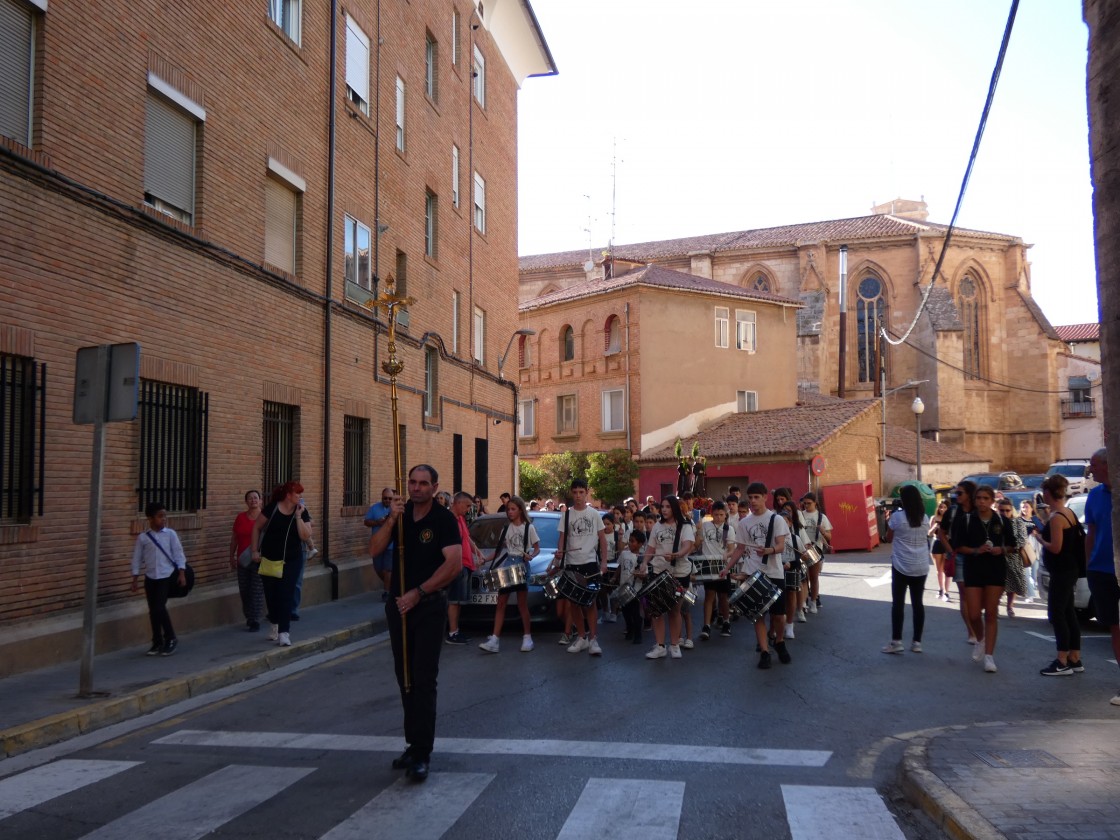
(490, 645)
(978, 652)
(1115, 701)
(578, 645)
(312, 553)
(675, 651)
(801, 619)
(273, 632)
(990, 664)
(657, 652)
(285, 640)
(789, 632)
(812, 607)
(916, 647)
(593, 648)
(526, 644)
(688, 644)
(893, 647)
(611, 618)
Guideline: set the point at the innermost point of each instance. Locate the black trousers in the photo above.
(632, 614)
(1060, 610)
(156, 593)
(425, 624)
(280, 593)
(917, 586)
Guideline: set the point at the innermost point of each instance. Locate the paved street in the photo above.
(555, 745)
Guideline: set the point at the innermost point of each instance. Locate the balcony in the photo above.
(1075, 408)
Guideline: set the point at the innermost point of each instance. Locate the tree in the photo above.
(534, 480)
(611, 475)
(551, 476)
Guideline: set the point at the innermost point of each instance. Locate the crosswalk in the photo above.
(211, 799)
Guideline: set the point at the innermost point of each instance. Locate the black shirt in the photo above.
(273, 544)
(424, 542)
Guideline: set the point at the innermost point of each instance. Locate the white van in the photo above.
(1076, 470)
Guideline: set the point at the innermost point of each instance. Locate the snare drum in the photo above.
(795, 576)
(625, 594)
(572, 586)
(505, 576)
(706, 568)
(754, 596)
(812, 555)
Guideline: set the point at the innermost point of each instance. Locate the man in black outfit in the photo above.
(432, 559)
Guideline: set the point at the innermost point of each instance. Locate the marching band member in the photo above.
(581, 533)
(627, 564)
(521, 544)
(669, 545)
(820, 530)
(716, 538)
(792, 556)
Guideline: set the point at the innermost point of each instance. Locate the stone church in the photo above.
(987, 354)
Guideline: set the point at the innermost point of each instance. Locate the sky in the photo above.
(672, 119)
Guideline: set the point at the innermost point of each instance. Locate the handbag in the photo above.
(275, 568)
(175, 590)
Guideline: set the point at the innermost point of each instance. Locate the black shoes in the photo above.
(456, 638)
(705, 633)
(783, 654)
(169, 647)
(253, 626)
(155, 649)
(725, 628)
(403, 761)
(1077, 667)
(415, 768)
(764, 660)
(294, 617)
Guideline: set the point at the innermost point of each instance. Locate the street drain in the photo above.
(1019, 758)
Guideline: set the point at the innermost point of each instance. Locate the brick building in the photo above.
(982, 342)
(631, 360)
(213, 182)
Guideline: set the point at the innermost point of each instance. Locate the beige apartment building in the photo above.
(981, 343)
(213, 182)
(633, 359)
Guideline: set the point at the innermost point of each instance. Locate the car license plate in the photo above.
(484, 598)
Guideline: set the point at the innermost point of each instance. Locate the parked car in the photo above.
(1082, 598)
(1077, 471)
(485, 531)
(1033, 482)
(999, 481)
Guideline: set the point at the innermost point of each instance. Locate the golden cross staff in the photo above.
(390, 303)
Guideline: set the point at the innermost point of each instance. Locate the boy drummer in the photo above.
(717, 537)
(581, 533)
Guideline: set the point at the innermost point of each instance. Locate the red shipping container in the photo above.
(850, 508)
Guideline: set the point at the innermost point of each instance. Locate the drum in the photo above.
(812, 555)
(754, 596)
(706, 568)
(795, 576)
(625, 594)
(572, 586)
(511, 574)
(662, 593)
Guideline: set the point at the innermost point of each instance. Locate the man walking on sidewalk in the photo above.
(1104, 574)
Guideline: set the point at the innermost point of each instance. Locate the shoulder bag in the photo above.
(275, 568)
(175, 591)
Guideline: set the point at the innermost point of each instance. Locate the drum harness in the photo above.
(498, 555)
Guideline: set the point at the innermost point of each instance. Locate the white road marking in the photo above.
(203, 806)
(879, 581)
(1042, 636)
(18, 793)
(408, 809)
(625, 809)
(501, 746)
(838, 813)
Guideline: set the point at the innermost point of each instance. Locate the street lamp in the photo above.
(516, 423)
(918, 407)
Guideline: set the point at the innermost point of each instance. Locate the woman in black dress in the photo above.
(277, 535)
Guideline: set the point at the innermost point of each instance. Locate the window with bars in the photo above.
(174, 436)
(280, 444)
(23, 383)
(355, 461)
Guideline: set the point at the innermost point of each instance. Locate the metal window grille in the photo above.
(355, 461)
(23, 385)
(174, 424)
(280, 432)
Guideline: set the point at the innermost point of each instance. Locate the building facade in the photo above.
(981, 344)
(229, 186)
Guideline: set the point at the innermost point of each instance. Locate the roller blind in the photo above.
(16, 31)
(357, 60)
(169, 154)
(279, 226)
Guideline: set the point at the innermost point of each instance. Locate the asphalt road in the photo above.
(549, 744)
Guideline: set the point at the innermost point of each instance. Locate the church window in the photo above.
(968, 304)
(870, 310)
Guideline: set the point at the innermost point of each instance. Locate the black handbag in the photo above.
(175, 590)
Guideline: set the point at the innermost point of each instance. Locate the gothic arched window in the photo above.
(870, 310)
(761, 283)
(567, 344)
(968, 303)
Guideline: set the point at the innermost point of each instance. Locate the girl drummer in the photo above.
(520, 543)
(669, 545)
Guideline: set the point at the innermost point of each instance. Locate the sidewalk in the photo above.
(41, 707)
(1023, 781)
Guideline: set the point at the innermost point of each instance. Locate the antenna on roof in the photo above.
(590, 264)
(614, 192)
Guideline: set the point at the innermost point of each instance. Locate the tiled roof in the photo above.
(658, 277)
(780, 431)
(1036, 311)
(834, 230)
(1079, 332)
(941, 310)
(902, 445)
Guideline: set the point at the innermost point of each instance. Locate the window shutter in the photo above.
(357, 60)
(16, 28)
(279, 226)
(169, 152)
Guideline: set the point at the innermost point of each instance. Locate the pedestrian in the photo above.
(1103, 572)
(307, 552)
(581, 548)
(667, 550)
(374, 519)
(1032, 551)
(517, 543)
(1015, 557)
(157, 556)
(444, 498)
(983, 537)
(249, 585)
(432, 559)
(716, 539)
(1063, 553)
(793, 558)
(819, 529)
(459, 592)
(627, 565)
(504, 499)
(960, 507)
(908, 533)
(278, 534)
(937, 551)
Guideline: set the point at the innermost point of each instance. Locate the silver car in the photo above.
(1082, 600)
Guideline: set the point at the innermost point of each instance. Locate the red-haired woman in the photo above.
(277, 534)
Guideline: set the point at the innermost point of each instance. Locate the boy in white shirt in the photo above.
(716, 537)
(627, 563)
(157, 556)
(581, 533)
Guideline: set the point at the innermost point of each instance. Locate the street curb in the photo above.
(64, 725)
(948, 810)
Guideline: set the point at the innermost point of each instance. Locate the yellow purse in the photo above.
(271, 568)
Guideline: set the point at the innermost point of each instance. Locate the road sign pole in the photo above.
(93, 535)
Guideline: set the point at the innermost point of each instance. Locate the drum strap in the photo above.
(770, 530)
(677, 538)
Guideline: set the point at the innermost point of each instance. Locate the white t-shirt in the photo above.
(910, 546)
(515, 539)
(627, 561)
(809, 520)
(662, 537)
(716, 539)
(752, 533)
(582, 539)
